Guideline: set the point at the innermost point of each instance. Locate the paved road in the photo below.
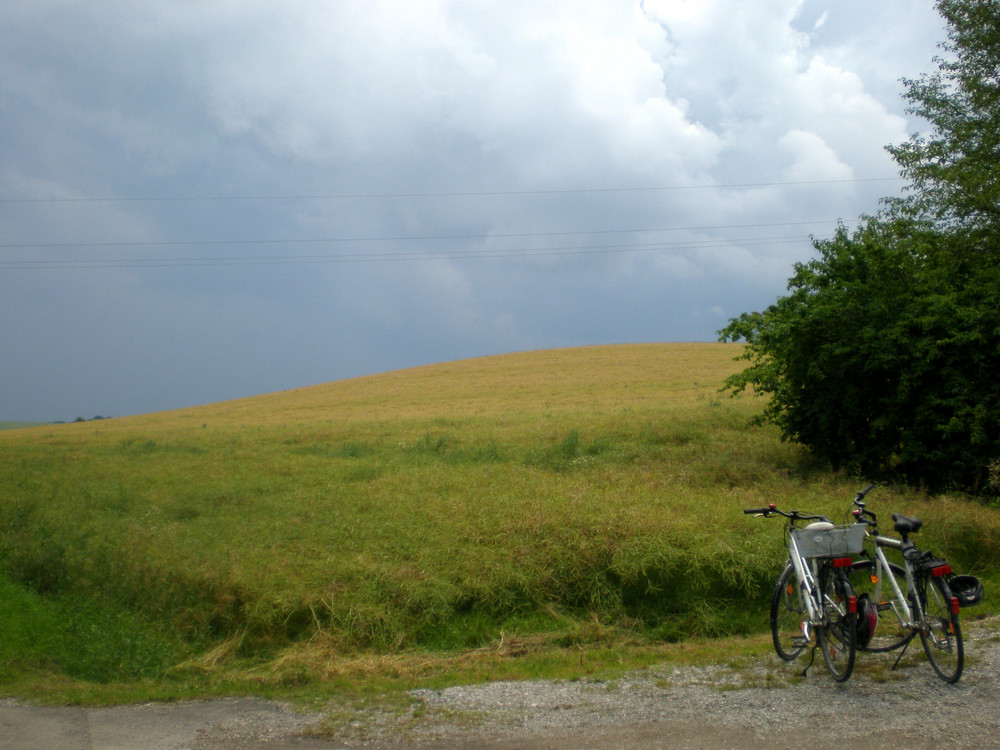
(242, 724)
(164, 726)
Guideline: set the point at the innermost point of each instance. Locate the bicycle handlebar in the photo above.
(794, 515)
(862, 514)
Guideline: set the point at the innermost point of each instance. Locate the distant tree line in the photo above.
(884, 356)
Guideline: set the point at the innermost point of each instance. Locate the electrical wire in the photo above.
(405, 238)
(394, 256)
(455, 194)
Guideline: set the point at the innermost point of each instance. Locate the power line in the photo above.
(404, 238)
(456, 194)
(396, 256)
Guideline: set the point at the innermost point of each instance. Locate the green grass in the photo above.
(526, 514)
(81, 638)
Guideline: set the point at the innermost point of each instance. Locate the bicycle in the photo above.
(820, 599)
(922, 596)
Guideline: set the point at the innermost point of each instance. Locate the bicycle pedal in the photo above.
(883, 606)
(800, 641)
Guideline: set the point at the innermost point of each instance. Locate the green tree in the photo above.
(954, 175)
(884, 357)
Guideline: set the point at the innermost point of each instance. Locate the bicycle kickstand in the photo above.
(812, 658)
(899, 658)
(804, 641)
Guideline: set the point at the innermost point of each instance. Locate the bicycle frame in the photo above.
(909, 617)
(920, 598)
(808, 589)
(821, 596)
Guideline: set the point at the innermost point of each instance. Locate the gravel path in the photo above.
(766, 706)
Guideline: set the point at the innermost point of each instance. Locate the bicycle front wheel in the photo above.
(889, 631)
(837, 636)
(787, 614)
(940, 633)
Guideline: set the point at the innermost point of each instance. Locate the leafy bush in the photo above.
(883, 358)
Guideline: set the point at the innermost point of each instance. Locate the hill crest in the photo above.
(601, 376)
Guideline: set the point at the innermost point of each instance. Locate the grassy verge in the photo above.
(523, 515)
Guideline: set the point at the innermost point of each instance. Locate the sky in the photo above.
(202, 200)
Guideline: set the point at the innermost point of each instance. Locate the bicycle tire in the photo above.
(941, 633)
(837, 637)
(787, 614)
(890, 632)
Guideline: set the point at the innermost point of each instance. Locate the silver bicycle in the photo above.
(919, 595)
(813, 606)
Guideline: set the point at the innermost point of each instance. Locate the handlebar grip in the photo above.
(756, 511)
(866, 490)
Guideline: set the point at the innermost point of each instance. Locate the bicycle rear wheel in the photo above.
(837, 637)
(941, 634)
(787, 614)
(889, 632)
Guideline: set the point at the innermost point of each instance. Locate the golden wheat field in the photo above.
(567, 498)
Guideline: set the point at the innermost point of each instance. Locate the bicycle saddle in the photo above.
(906, 525)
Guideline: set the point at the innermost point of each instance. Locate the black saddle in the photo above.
(906, 525)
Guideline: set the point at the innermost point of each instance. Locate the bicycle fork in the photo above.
(808, 589)
(807, 593)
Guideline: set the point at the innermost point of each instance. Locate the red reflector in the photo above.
(842, 562)
(941, 570)
(954, 605)
(852, 604)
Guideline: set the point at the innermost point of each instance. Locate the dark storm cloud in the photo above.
(358, 186)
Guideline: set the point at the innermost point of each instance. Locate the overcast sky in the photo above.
(202, 200)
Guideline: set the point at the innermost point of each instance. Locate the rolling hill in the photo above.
(558, 496)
